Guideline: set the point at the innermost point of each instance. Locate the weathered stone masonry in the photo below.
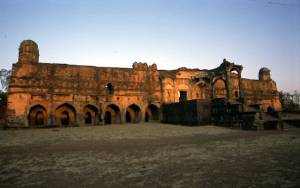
(48, 94)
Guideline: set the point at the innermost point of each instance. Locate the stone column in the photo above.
(241, 92)
(228, 85)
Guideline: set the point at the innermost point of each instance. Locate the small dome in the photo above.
(28, 52)
(264, 69)
(28, 42)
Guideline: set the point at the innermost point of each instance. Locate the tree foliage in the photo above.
(4, 79)
(290, 101)
(3, 98)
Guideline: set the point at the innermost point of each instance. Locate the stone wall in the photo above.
(49, 94)
(53, 86)
(192, 112)
(263, 93)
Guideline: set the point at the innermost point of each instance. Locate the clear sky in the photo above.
(170, 33)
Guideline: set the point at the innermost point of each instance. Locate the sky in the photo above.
(170, 33)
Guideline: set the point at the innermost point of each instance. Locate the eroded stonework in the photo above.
(48, 94)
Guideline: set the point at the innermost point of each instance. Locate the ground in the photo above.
(149, 155)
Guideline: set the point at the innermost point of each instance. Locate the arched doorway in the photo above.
(152, 113)
(65, 119)
(107, 117)
(88, 118)
(128, 117)
(197, 92)
(90, 113)
(200, 90)
(235, 83)
(133, 114)
(112, 114)
(37, 116)
(146, 116)
(219, 89)
(65, 115)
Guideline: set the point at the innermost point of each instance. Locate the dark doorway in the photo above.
(39, 118)
(152, 113)
(182, 96)
(270, 110)
(133, 114)
(128, 117)
(146, 117)
(110, 88)
(65, 119)
(236, 94)
(88, 118)
(107, 117)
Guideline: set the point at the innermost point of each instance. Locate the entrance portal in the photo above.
(37, 116)
(152, 113)
(107, 117)
(128, 118)
(65, 115)
(65, 119)
(133, 114)
(88, 118)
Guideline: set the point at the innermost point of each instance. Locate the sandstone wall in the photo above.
(263, 92)
(48, 94)
(53, 85)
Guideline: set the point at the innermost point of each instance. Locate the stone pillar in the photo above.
(52, 112)
(142, 116)
(122, 114)
(241, 92)
(211, 88)
(228, 85)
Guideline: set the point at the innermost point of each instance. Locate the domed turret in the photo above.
(28, 52)
(264, 74)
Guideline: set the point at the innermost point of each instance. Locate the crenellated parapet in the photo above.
(139, 66)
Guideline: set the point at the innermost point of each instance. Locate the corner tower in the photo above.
(28, 52)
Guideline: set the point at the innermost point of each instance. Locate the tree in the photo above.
(4, 78)
(3, 98)
(290, 102)
(296, 98)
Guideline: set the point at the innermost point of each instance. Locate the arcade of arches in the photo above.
(66, 115)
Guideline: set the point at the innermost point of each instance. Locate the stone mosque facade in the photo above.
(49, 94)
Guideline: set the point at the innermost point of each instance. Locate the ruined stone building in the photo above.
(49, 94)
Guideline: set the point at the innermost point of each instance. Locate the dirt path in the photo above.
(149, 155)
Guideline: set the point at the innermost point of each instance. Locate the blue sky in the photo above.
(170, 33)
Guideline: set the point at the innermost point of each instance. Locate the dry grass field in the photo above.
(149, 155)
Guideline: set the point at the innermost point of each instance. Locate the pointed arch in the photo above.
(133, 114)
(219, 88)
(152, 113)
(37, 116)
(112, 114)
(90, 114)
(65, 115)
